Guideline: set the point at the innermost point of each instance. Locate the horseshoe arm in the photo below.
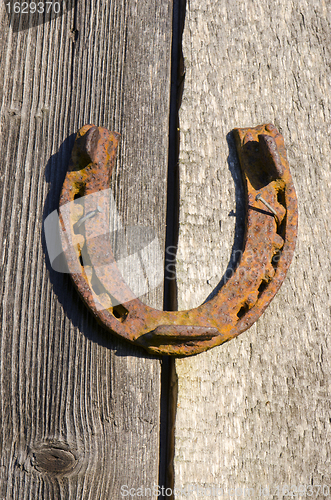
(268, 247)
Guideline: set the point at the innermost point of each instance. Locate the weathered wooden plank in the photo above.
(80, 409)
(255, 412)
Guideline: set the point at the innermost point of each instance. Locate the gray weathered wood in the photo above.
(256, 412)
(80, 409)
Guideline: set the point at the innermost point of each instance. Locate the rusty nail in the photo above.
(259, 198)
(91, 214)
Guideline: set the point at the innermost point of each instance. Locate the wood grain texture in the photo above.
(255, 412)
(80, 409)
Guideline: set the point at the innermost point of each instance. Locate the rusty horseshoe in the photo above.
(271, 230)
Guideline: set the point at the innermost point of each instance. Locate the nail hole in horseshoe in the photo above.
(120, 312)
(243, 310)
(281, 197)
(282, 201)
(80, 193)
(275, 259)
(262, 287)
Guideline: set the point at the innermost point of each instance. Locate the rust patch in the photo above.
(267, 252)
